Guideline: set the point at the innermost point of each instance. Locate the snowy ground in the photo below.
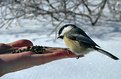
(92, 66)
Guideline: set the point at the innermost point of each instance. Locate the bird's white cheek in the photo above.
(65, 30)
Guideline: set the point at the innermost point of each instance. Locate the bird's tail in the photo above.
(106, 53)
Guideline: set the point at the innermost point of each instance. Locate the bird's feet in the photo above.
(79, 56)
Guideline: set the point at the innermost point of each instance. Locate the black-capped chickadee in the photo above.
(79, 42)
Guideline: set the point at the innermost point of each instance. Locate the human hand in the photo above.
(18, 61)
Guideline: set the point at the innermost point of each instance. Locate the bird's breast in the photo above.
(75, 46)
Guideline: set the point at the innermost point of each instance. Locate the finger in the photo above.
(21, 43)
(58, 53)
(24, 54)
(9, 57)
(4, 48)
(62, 52)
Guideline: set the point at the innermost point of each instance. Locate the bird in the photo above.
(79, 42)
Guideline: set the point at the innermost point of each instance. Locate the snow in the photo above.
(93, 66)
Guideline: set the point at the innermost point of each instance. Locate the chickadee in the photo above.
(79, 42)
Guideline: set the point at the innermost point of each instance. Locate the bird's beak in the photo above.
(60, 37)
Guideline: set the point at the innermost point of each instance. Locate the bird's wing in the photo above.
(82, 39)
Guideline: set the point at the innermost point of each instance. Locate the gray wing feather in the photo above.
(82, 39)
